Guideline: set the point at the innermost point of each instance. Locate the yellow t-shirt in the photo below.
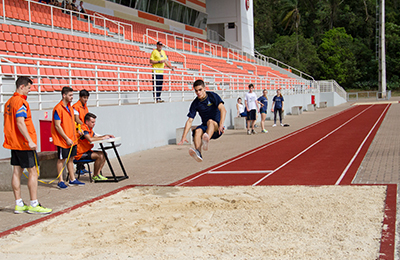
(157, 56)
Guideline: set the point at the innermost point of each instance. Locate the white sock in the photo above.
(34, 203)
(19, 203)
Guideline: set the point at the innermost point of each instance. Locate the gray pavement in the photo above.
(167, 164)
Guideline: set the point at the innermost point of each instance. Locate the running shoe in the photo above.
(195, 154)
(253, 132)
(39, 210)
(205, 139)
(62, 185)
(76, 183)
(248, 132)
(281, 124)
(81, 172)
(264, 131)
(19, 209)
(99, 178)
(273, 125)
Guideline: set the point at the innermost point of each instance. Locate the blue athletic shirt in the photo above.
(263, 101)
(278, 102)
(208, 108)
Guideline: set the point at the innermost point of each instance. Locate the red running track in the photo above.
(325, 153)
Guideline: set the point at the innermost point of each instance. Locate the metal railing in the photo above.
(120, 25)
(115, 84)
(354, 96)
(264, 60)
(331, 86)
(178, 43)
(72, 22)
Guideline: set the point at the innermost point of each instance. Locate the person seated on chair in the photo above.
(84, 150)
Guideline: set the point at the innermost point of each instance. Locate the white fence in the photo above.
(113, 84)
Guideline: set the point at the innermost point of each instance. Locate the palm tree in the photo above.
(291, 13)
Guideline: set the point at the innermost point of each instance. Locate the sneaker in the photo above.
(62, 185)
(39, 210)
(195, 154)
(80, 172)
(281, 124)
(19, 209)
(204, 140)
(253, 132)
(248, 132)
(273, 125)
(76, 183)
(264, 131)
(99, 178)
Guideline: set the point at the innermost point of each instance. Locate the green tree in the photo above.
(285, 50)
(338, 59)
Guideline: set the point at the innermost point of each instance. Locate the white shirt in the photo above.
(251, 99)
(241, 108)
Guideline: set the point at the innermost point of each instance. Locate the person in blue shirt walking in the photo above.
(263, 101)
(212, 111)
(277, 106)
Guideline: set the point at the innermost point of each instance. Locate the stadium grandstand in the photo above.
(106, 51)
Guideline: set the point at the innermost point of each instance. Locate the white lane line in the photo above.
(359, 149)
(269, 144)
(309, 147)
(237, 172)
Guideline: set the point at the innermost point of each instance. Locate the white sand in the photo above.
(278, 222)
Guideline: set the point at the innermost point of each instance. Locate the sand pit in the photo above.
(278, 222)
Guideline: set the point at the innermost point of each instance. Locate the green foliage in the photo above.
(343, 32)
(285, 49)
(338, 59)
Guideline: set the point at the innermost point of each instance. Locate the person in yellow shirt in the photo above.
(158, 60)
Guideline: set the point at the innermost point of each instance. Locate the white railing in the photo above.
(264, 60)
(196, 45)
(119, 24)
(168, 48)
(114, 84)
(332, 86)
(73, 14)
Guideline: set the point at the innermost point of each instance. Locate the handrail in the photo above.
(184, 56)
(109, 87)
(244, 61)
(201, 68)
(71, 13)
(266, 59)
(118, 23)
(192, 40)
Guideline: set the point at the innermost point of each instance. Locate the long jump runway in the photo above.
(328, 152)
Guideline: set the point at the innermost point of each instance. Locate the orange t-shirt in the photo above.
(83, 144)
(13, 139)
(82, 110)
(67, 124)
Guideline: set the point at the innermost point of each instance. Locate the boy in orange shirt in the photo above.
(85, 147)
(20, 138)
(80, 110)
(64, 134)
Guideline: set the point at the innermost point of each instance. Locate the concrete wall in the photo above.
(147, 126)
(332, 98)
(228, 11)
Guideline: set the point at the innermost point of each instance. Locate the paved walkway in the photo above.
(167, 164)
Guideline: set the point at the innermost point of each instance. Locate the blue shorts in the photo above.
(263, 111)
(216, 134)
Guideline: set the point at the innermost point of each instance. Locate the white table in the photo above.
(113, 146)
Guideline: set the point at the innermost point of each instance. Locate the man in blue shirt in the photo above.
(212, 111)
